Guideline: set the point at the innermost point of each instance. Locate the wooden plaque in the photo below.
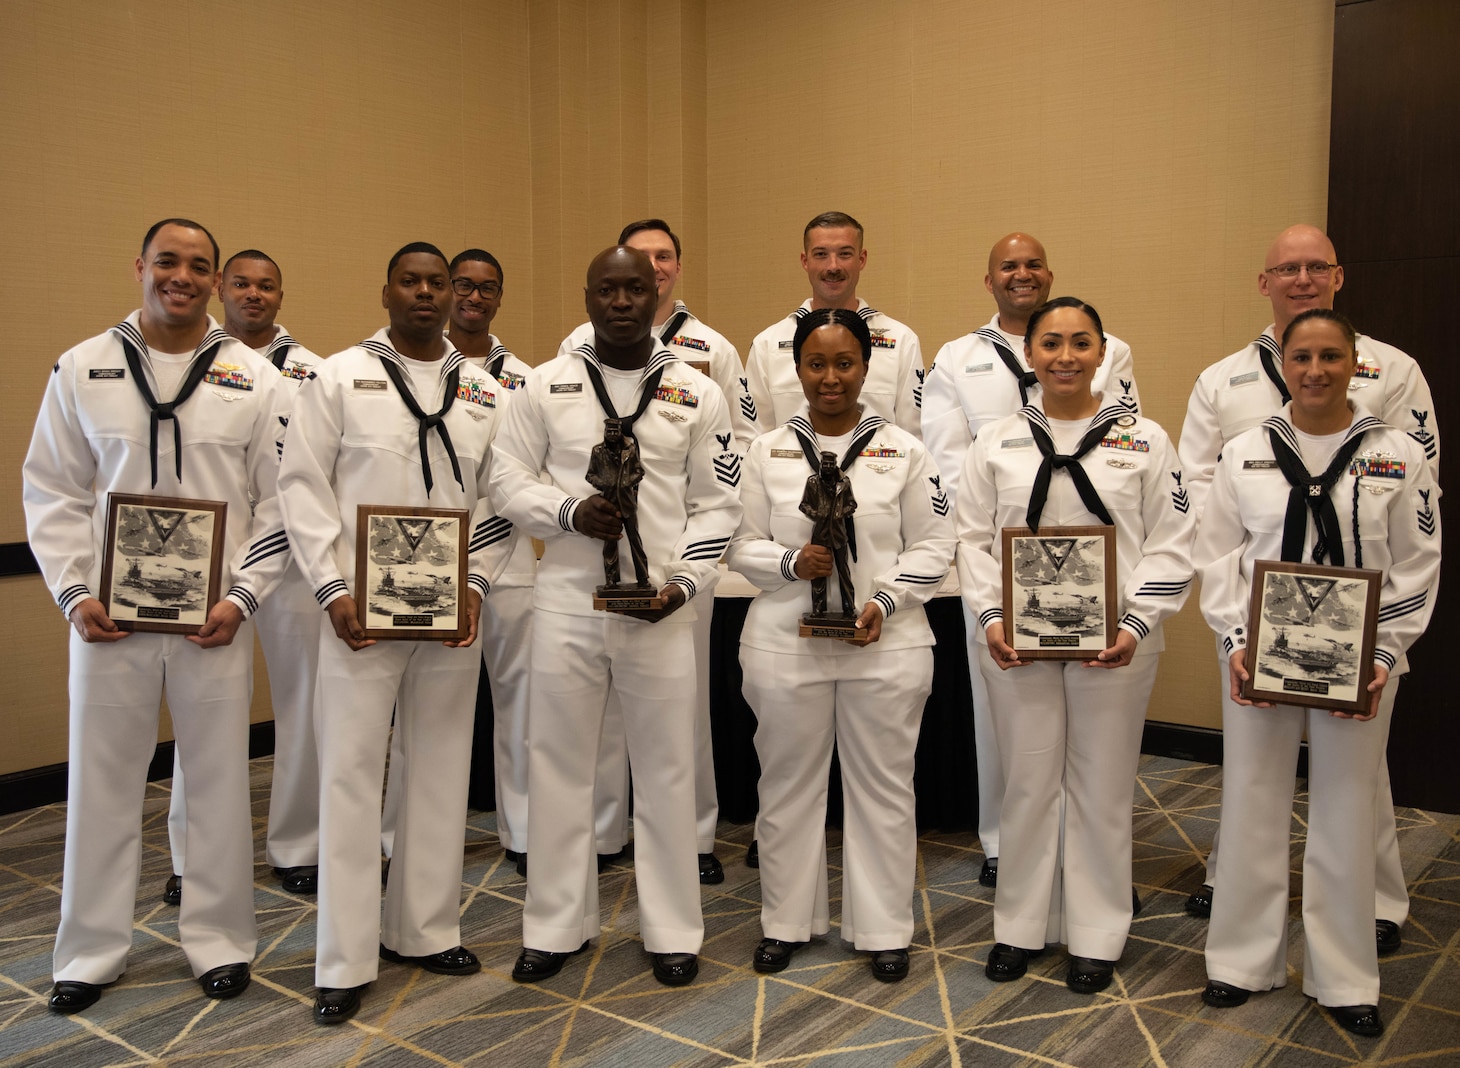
(162, 566)
(410, 573)
(1060, 591)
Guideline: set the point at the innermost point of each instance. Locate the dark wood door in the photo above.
(1394, 216)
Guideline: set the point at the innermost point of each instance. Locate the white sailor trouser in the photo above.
(288, 624)
(1066, 728)
(116, 692)
(871, 705)
(1247, 943)
(611, 794)
(433, 689)
(576, 660)
(985, 745)
(1391, 892)
(507, 652)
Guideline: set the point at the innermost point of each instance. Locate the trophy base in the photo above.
(842, 628)
(627, 599)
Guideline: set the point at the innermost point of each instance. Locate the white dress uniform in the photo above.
(807, 692)
(894, 378)
(688, 508)
(1238, 393)
(1388, 490)
(92, 439)
(1063, 728)
(353, 441)
(710, 353)
(970, 384)
(506, 639)
(288, 629)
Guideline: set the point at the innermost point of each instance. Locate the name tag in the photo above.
(1258, 465)
(566, 387)
(787, 345)
(1242, 380)
(370, 383)
(978, 368)
(1016, 443)
(107, 372)
(786, 454)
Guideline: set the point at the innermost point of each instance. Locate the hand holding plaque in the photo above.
(828, 502)
(615, 471)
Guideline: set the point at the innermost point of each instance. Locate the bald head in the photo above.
(1305, 247)
(1019, 279)
(620, 299)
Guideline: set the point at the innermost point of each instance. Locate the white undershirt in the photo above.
(1317, 449)
(1066, 434)
(425, 382)
(167, 370)
(838, 445)
(623, 389)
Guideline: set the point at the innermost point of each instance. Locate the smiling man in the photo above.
(167, 405)
(689, 507)
(361, 435)
(252, 291)
(833, 258)
(976, 379)
(1302, 271)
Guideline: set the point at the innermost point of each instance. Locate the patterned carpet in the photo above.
(606, 1010)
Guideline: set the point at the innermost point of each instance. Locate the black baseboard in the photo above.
(1201, 744)
(21, 790)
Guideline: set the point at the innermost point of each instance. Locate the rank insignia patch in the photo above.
(228, 375)
(1179, 500)
(727, 463)
(1426, 516)
(939, 498)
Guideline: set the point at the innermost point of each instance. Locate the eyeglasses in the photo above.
(465, 287)
(1316, 269)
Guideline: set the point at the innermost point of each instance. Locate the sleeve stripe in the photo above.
(788, 565)
(990, 615)
(920, 580)
(477, 583)
(329, 589)
(882, 598)
(1385, 658)
(687, 583)
(1135, 624)
(249, 601)
(71, 596)
(715, 543)
(257, 557)
(1406, 607)
(565, 513)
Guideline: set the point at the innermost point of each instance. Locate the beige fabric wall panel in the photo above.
(1155, 147)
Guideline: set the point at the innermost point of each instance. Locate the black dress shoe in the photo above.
(676, 969)
(335, 1005)
(534, 965)
(1089, 975)
(752, 855)
(889, 965)
(1135, 903)
(988, 875)
(384, 877)
(1358, 1019)
(772, 955)
(1199, 904)
(1007, 963)
(172, 892)
(711, 872)
(1221, 995)
(605, 859)
(1387, 936)
(513, 855)
(300, 879)
(225, 981)
(522, 865)
(68, 996)
(458, 961)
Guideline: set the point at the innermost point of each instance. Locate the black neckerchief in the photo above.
(1099, 427)
(134, 346)
(1313, 494)
(671, 327)
(278, 349)
(650, 385)
(494, 365)
(1023, 377)
(390, 360)
(1269, 353)
(864, 432)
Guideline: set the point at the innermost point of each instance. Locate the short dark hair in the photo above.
(818, 317)
(189, 224)
(414, 246)
(254, 254)
(650, 224)
(1328, 315)
(1063, 302)
(476, 255)
(829, 220)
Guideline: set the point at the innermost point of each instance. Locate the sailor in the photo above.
(164, 405)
